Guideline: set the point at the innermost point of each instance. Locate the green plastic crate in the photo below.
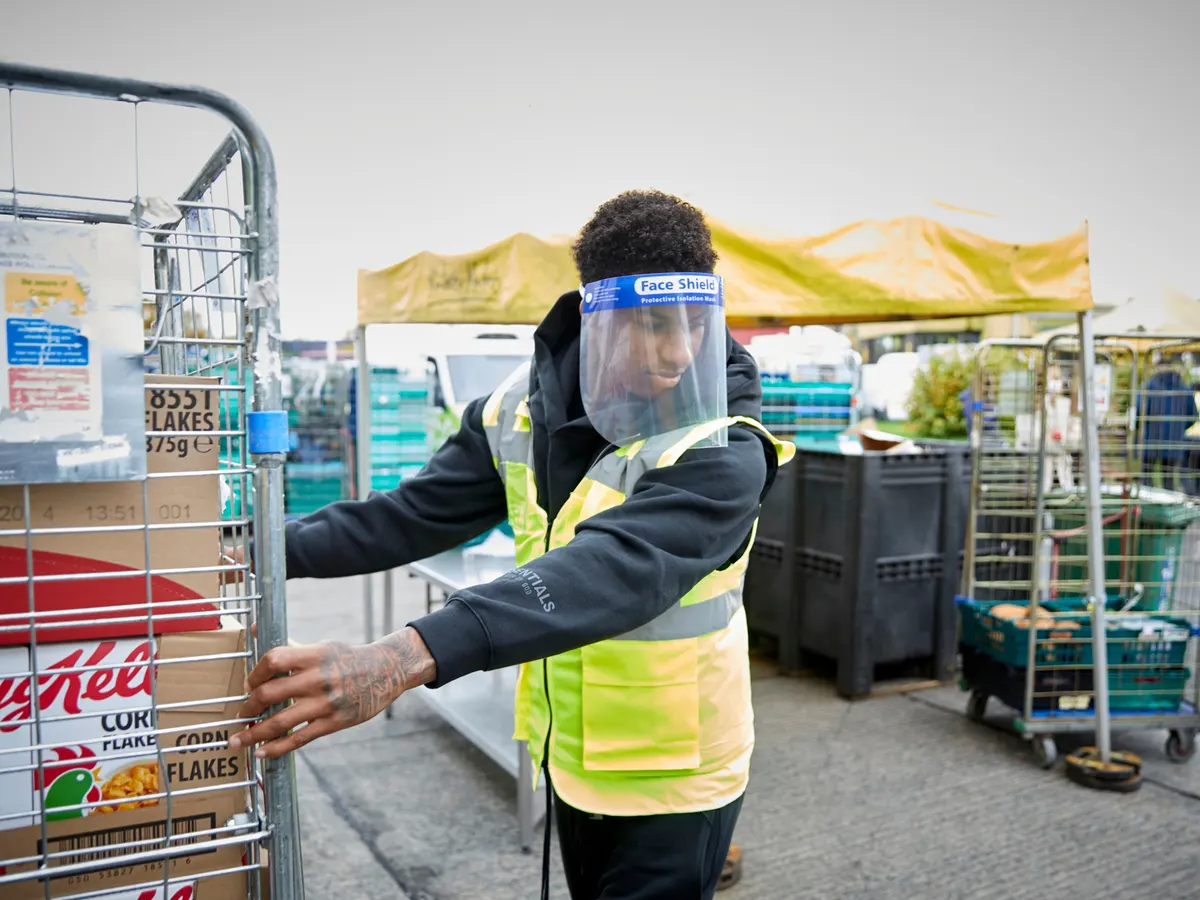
(1006, 641)
(1143, 675)
(809, 408)
(1147, 688)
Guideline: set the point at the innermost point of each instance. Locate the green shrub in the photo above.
(935, 409)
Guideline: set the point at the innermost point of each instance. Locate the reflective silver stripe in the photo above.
(515, 446)
(611, 471)
(692, 621)
(506, 443)
(621, 471)
(651, 452)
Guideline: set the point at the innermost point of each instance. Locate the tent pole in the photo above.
(362, 455)
(1095, 531)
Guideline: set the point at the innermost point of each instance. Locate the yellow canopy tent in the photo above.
(910, 268)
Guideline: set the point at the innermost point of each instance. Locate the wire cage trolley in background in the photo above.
(1026, 612)
(124, 642)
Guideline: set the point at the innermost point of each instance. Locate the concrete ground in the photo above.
(899, 798)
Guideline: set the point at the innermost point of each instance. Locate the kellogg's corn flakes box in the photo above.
(105, 711)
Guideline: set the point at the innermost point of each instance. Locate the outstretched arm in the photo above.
(624, 567)
(456, 497)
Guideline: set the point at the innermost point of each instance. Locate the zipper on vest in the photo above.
(550, 716)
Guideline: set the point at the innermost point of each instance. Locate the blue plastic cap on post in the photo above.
(267, 431)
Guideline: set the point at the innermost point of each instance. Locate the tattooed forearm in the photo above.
(363, 681)
(410, 656)
(326, 687)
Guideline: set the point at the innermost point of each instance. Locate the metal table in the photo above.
(480, 705)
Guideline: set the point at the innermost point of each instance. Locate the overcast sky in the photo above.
(401, 127)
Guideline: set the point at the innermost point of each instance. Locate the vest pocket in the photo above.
(641, 706)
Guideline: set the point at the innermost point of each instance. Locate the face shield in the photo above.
(652, 355)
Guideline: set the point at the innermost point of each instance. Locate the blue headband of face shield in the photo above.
(643, 291)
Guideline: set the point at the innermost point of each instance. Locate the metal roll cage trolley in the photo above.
(208, 270)
(1073, 609)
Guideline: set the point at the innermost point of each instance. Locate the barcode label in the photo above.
(94, 845)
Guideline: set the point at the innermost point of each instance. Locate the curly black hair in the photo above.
(644, 232)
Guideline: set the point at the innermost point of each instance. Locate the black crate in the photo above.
(1007, 684)
(858, 562)
(769, 578)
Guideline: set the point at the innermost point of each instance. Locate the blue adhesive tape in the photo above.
(267, 431)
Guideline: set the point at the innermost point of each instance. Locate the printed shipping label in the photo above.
(71, 364)
(65, 390)
(32, 342)
(51, 375)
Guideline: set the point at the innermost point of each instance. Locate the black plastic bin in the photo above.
(858, 561)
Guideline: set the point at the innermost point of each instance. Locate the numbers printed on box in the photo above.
(178, 446)
(180, 411)
(112, 514)
(174, 512)
(11, 513)
(160, 399)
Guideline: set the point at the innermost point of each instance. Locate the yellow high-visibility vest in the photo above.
(657, 720)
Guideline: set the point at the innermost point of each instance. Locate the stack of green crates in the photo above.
(313, 485)
(400, 412)
(229, 404)
(811, 409)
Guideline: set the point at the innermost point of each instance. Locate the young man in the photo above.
(629, 461)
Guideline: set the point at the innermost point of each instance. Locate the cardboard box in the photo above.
(89, 846)
(77, 606)
(230, 886)
(97, 720)
(101, 730)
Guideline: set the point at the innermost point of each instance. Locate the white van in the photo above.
(459, 362)
(887, 385)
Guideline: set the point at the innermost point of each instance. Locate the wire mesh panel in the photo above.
(126, 607)
(1000, 543)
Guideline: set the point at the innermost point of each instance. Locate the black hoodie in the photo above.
(624, 567)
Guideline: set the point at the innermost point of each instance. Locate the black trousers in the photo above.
(672, 857)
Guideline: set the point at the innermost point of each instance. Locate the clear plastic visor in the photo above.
(652, 356)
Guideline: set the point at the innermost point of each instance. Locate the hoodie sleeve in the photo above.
(624, 567)
(457, 496)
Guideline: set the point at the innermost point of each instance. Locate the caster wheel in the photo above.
(1181, 746)
(1045, 752)
(977, 705)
